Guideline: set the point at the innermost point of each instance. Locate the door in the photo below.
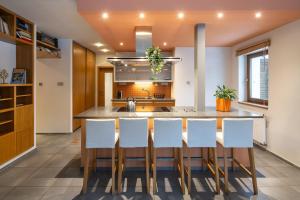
(105, 86)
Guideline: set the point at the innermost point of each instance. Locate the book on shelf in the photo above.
(22, 25)
(4, 27)
(26, 38)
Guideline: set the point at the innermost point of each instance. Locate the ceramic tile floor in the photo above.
(53, 172)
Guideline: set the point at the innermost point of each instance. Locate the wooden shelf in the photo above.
(20, 29)
(6, 122)
(18, 85)
(49, 46)
(6, 110)
(20, 41)
(6, 99)
(7, 38)
(24, 95)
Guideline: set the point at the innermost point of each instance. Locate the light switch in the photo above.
(40, 84)
(60, 83)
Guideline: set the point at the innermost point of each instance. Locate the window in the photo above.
(258, 77)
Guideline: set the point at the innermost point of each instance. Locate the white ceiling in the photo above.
(58, 18)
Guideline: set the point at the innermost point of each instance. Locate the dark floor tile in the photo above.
(14, 176)
(4, 191)
(62, 193)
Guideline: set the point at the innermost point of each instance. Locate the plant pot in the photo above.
(223, 105)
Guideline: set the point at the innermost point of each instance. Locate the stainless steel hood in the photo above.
(143, 37)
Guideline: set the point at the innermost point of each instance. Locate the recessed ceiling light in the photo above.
(220, 15)
(258, 15)
(165, 44)
(180, 15)
(104, 15)
(121, 43)
(104, 50)
(143, 33)
(98, 44)
(141, 15)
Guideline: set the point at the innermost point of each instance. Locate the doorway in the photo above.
(105, 86)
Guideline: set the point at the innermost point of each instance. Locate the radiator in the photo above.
(259, 131)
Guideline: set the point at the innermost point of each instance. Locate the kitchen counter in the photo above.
(143, 99)
(182, 112)
(174, 112)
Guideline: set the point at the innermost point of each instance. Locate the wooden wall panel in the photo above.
(79, 71)
(90, 79)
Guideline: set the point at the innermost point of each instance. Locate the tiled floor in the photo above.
(53, 172)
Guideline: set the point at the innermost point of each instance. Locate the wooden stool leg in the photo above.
(120, 160)
(147, 169)
(95, 160)
(232, 162)
(154, 171)
(113, 171)
(189, 171)
(225, 170)
(217, 180)
(253, 171)
(86, 170)
(181, 170)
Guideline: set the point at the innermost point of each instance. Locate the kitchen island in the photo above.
(171, 112)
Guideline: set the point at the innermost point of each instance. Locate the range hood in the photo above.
(143, 37)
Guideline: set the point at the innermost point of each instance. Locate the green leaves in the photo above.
(153, 54)
(224, 92)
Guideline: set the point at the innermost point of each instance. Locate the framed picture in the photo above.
(18, 76)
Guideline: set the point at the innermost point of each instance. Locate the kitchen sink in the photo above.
(145, 109)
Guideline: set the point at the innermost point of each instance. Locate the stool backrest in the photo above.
(201, 132)
(133, 132)
(238, 132)
(100, 133)
(168, 132)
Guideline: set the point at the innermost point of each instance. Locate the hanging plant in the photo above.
(153, 55)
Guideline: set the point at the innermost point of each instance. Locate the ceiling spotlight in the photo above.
(104, 15)
(258, 15)
(220, 15)
(121, 43)
(141, 15)
(165, 44)
(104, 50)
(180, 15)
(98, 44)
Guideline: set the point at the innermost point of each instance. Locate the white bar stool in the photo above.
(167, 133)
(133, 134)
(201, 133)
(100, 133)
(238, 133)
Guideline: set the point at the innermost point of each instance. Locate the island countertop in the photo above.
(175, 112)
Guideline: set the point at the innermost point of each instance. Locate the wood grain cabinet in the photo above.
(84, 64)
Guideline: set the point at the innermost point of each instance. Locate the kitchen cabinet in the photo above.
(142, 73)
(83, 80)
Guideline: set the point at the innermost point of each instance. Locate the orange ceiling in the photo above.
(237, 25)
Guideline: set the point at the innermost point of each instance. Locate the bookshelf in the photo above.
(16, 100)
(46, 49)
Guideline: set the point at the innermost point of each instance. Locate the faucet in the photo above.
(147, 92)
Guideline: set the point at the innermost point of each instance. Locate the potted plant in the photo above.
(224, 95)
(153, 55)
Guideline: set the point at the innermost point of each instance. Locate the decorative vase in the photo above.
(223, 105)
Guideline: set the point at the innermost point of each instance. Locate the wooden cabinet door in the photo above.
(79, 74)
(7, 147)
(24, 128)
(90, 79)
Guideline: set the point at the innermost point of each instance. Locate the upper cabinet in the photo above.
(132, 73)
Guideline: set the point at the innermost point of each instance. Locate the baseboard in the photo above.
(8, 163)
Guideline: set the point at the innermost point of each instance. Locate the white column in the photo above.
(199, 67)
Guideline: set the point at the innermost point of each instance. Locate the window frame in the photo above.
(249, 99)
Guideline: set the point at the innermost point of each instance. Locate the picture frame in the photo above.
(18, 76)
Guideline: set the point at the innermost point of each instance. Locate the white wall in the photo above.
(7, 58)
(218, 66)
(183, 86)
(54, 103)
(283, 136)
